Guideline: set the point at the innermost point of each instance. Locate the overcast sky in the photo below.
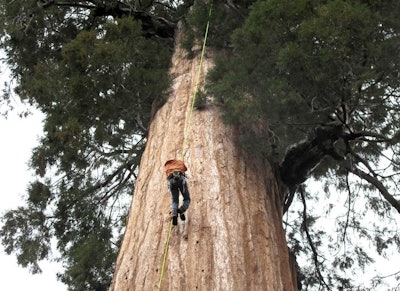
(18, 137)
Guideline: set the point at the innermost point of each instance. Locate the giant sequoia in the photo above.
(291, 90)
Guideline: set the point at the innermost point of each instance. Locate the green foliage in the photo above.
(92, 262)
(25, 234)
(306, 63)
(96, 78)
(201, 101)
(223, 20)
(298, 67)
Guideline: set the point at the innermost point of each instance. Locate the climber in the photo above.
(175, 171)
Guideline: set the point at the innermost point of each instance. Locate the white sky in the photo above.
(18, 137)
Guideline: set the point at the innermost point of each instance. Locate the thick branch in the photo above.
(302, 158)
(47, 3)
(151, 24)
(377, 184)
(363, 135)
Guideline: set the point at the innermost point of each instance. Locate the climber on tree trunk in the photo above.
(175, 171)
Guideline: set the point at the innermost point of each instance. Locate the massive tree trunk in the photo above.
(233, 237)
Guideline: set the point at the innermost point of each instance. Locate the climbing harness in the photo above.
(186, 133)
(176, 175)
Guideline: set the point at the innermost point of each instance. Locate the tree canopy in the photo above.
(318, 82)
(311, 84)
(97, 79)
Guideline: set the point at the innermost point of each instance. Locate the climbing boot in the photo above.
(182, 214)
(174, 216)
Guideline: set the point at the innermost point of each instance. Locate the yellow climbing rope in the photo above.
(186, 133)
(165, 256)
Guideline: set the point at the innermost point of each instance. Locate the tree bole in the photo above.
(233, 237)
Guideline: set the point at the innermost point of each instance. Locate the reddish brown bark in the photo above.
(233, 237)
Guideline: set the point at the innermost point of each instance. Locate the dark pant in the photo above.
(175, 185)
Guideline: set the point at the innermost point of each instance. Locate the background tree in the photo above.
(308, 83)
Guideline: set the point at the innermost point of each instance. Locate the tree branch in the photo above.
(302, 158)
(377, 184)
(45, 4)
(288, 199)
(151, 25)
(348, 210)
(361, 135)
(116, 189)
(309, 239)
(107, 180)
